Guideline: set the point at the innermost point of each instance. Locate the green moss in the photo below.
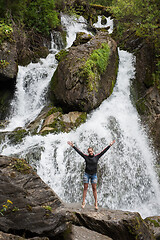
(17, 136)
(58, 125)
(59, 56)
(155, 223)
(21, 166)
(95, 66)
(54, 110)
(142, 107)
(135, 227)
(64, 39)
(81, 119)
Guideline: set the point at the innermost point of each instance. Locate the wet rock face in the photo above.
(27, 204)
(154, 225)
(115, 224)
(8, 61)
(78, 86)
(6, 236)
(148, 93)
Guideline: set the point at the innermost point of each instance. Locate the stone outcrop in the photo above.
(154, 225)
(81, 38)
(8, 61)
(148, 93)
(58, 122)
(77, 85)
(6, 236)
(51, 119)
(29, 209)
(32, 210)
(116, 224)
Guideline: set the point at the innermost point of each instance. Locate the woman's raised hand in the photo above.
(70, 143)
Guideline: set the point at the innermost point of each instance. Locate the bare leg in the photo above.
(84, 193)
(94, 188)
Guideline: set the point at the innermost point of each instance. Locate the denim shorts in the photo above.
(87, 177)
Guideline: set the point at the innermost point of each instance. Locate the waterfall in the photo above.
(126, 176)
(31, 88)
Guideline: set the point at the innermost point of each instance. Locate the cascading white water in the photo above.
(109, 23)
(73, 26)
(31, 88)
(127, 179)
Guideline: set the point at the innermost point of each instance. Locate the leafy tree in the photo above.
(139, 15)
(37, 14)
(142, 17)
(41, 15)
(15, 8)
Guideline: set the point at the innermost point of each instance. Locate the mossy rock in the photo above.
(17, 136)
(86, 76)
(59, 56)
(142, 107)
(59, 122)
(21, 166)
(81, 38)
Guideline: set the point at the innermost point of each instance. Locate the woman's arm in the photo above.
(105, 150)
(77, 150)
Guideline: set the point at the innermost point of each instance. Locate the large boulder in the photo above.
(115, 224)
(86, 75)
(27, 205)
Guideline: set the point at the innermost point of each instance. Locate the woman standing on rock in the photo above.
(90, 170)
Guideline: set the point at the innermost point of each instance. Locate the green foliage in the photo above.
(17, 136)
(48, 208)
(41, 15)
(141, 16)
(54, 110)
(21, 166)
(8, 206)
(59, 56)
(3, 63)
(155, 223)
(15, 8)
(6, 32)
(101, 2)
(82, 119)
